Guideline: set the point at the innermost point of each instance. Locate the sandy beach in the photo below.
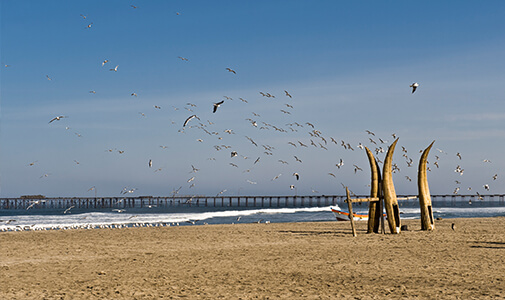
(257, 261)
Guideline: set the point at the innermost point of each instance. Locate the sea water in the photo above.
(34, 219)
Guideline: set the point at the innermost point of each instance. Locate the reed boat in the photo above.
(344, 216)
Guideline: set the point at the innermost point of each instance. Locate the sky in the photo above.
(347, 65)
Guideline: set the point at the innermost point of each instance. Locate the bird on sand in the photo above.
(216, 105)
(414, 86)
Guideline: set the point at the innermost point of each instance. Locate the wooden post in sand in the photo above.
(374, 212)
(351, 215)
(388, 188)
(427, 222)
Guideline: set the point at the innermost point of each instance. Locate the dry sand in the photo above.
(257, 261)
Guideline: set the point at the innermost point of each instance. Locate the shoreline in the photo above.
(249, 261)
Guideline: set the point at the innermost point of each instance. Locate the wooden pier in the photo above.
(160, 202)
(206, 201)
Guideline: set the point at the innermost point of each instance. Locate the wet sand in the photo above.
(257, 261)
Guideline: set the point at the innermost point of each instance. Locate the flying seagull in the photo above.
(56, 119)
(230, 70)
(68, 209)
(216, 105)
(297, 176)
(414, 86)
(189, 119)
(276, 177)
(115, 69)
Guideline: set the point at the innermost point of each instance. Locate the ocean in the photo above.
(43, 219)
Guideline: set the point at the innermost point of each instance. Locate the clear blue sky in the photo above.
(347, 64)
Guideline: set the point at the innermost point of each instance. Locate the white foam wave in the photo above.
(100, 219)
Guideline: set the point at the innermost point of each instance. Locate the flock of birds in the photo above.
(317, 140)
(313, 138)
